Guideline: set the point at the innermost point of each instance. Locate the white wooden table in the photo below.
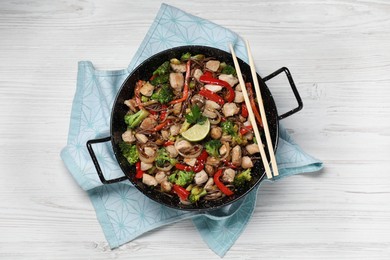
(339, 55)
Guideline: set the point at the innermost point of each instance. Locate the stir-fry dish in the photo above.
(188, 132)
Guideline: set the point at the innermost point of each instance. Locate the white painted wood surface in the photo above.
(339, 54)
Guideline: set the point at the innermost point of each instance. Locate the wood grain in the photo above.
(338, 53)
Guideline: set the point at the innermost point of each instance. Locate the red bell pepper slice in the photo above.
(185, 89)
(138, 172)
(220, 185)
(163, 113)
(248, 86)
(211, 96)
(181, 192)
(244, 110)
(199, 164)
(183, 167)
(245, 129)
(161, 126)
(168, 143)
(210, 80)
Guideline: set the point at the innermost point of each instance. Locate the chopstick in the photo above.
(262, 111)
(251, 115)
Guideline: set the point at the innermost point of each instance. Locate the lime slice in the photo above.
(197, 132)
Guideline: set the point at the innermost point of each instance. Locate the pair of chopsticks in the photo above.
(262, 113)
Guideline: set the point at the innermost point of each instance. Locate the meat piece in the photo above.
(236, 155)
(252, 148)
(229, 79)
(148, 123)
(147, 89)
(131, 104)
(213, 88)
(212, 105)
(166, 186)
(141, 138)
(128, 136)
(209, 169)
(213, 65)
(209, 184)
(228, 175)
(239, 97)
(230, 109)
(178, 67)
(197, 74)
(201, 177)
(176, 79)
(160, 177)
(149, 180)
(175, 130)
(176, 109)
(172, 151)
(190, 161)
(146, 166)
(246, 162)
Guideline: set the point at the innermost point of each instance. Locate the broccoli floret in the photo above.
(228, 69)
(163, 69)
(196, 193)
(228, 128)
(130, 152)
(134, 120)
(163, 157)
(181, 178)
(242, 178)
(185, 56)
(164, 95)
(161, 79)
(212, 147)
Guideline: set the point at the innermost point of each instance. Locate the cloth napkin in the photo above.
(123, 212)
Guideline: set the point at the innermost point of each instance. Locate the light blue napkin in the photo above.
(123, 212)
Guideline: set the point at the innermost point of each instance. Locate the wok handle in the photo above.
(293, 87)
(96, 163)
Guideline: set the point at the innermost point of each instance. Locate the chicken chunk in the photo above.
(229, 79)
(213, 88)
(230, 109)
(179, 67)
(147, 89)
(149, 180)
(176, 79)
(201, 177)
(197, 74)
(228, 175)
(238, 97)
(128, 136)
(148, 123)
(236, 155)
(213, 65)
(246, 162)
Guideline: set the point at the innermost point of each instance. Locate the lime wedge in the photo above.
(197, 132)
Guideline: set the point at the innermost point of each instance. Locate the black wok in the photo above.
(118, 126)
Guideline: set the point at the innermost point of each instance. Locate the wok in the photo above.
(118, 126)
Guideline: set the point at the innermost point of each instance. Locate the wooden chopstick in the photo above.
(262, 111)
(251, 115)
